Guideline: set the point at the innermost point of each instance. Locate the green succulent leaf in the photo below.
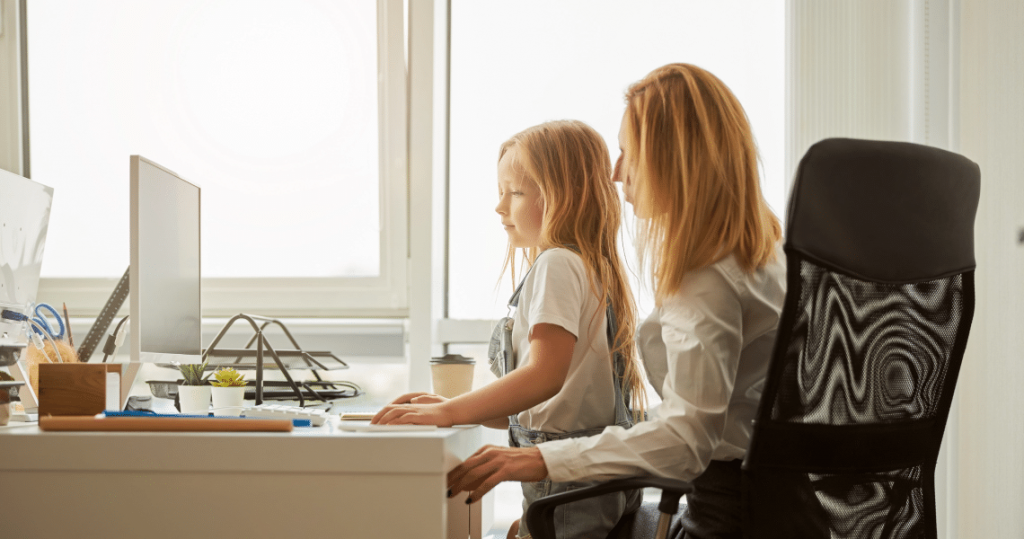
(228, 377)
(193, 374)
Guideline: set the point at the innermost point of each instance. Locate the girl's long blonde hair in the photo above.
(696, 184)
(569, 162)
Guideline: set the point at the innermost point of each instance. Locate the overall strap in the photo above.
(623, 416)
(514, 300)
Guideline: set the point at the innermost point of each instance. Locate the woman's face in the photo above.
(624, 166)
(520, 203)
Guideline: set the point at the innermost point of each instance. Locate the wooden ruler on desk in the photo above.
(163, 424)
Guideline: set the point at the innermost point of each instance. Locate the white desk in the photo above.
(313, 482)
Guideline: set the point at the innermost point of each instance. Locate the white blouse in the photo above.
(706, 351)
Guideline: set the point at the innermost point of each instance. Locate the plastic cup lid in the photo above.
(452, 359)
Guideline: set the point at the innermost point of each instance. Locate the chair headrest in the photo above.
(884, 211)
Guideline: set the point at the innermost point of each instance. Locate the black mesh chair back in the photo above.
(880, 253)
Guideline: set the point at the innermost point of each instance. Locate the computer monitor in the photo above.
(24, 221)
(164, 276)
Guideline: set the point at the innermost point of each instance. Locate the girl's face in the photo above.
(625, 164)
(520, 204)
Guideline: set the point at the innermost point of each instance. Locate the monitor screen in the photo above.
(164, 279)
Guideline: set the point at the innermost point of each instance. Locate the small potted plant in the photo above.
(194, 392)
(228, 392)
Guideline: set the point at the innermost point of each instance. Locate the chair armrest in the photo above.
(540, 516)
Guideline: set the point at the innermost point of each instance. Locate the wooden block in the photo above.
(74, 388)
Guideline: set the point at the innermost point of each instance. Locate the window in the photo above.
(513, 68)
(275, 110)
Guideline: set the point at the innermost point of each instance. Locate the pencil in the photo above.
(67, 323)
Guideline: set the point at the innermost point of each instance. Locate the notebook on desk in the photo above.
(357, 412)
(357, 416)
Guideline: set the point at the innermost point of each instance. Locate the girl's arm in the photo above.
(551, 348)
(422, 397)
(500, 423)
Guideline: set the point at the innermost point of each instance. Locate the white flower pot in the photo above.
(194, 400)
(228, 401)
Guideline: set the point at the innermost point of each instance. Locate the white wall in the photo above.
(991, 390)
(848, 72)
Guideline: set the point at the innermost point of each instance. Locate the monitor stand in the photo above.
(129, 372)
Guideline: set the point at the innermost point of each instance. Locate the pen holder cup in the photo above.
(78, 388)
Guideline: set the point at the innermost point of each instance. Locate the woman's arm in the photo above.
(491, 465)
(551, 349)
(702, 333)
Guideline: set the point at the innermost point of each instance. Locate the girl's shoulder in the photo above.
(562, 255)
(558, 261)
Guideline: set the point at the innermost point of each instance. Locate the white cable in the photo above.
(48, 337)
(122, 331)
(38, 341)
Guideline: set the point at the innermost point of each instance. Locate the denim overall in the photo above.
(594, 517)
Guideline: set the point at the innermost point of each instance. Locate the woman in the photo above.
(688, 164)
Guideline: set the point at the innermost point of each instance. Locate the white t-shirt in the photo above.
(557, 291)
(706, 350)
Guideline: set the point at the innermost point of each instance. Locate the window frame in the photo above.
(383, 296)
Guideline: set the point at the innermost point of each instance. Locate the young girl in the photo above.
(689, 167)
(572, 369)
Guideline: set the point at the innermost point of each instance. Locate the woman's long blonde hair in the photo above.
(569, 162)
(696, 184)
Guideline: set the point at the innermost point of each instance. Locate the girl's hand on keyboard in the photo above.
(428, 399)
(414, 414)
(419, 398)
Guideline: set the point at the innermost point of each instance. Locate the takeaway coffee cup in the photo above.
(452, 374)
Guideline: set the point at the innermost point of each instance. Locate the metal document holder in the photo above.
(303, 359)
(283, 359)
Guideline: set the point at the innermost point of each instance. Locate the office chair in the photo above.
(880, 296)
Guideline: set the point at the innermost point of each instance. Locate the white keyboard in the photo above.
(315, 416)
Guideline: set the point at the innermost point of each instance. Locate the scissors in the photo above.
(40, 319)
